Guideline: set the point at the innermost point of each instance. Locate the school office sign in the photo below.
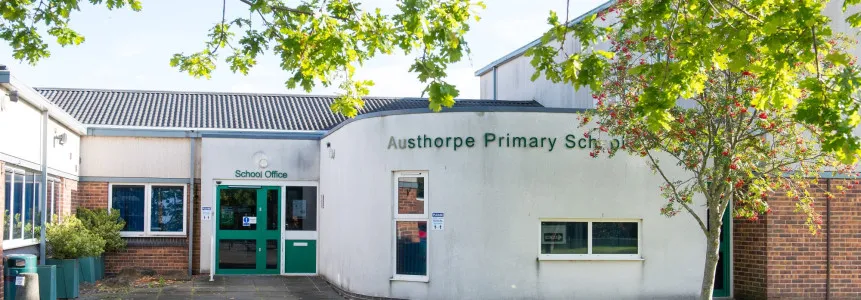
(259, 174)
(492, 140)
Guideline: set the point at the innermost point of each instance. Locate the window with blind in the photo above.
(411, 226)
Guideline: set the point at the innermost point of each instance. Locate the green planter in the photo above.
(100, 267)
(47, 282)
(88, 268)
(68, 277)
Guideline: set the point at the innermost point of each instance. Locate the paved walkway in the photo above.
(233, 287)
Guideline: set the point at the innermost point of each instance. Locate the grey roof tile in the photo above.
(172, 109)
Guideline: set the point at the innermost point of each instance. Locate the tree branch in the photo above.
(676, 192)
(292, 10)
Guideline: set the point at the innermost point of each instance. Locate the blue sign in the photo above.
(246, 221)
(437, 215)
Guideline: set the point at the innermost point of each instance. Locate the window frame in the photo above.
(54, 181)
(397, 217)
(147, 232)
(589, 255)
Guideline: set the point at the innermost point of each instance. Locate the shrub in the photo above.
(70, 239)
(106, 225)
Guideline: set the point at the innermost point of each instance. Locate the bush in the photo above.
(70, 239)
(106, 225)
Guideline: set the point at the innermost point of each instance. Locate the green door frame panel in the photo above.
(260, 235)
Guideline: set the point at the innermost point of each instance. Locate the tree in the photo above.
(318, 41)
(727, 101)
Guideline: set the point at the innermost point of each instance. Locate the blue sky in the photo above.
(128, 50)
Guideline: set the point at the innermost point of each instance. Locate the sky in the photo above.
(131, 50)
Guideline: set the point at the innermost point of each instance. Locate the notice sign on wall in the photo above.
(437, 221)
(206, 213)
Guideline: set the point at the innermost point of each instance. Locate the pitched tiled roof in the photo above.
(222, 110)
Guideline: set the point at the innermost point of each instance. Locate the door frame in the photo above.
(217, 207)
(300, 234)
(215, 182)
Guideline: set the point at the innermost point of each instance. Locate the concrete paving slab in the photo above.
(232, 287)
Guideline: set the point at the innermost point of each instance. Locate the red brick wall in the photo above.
(159, 258)
(795, 261)
(846, 245)
(95, 195)
(90, 195)
(195, 263)
(749, 261)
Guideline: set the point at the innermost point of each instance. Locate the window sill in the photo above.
(19, 243)
(411, 278)
(588, 258)
(151, 235)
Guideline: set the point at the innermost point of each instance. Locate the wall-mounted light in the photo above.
(61, 138)
(13, 96)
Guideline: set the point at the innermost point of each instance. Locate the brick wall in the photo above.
(95, 195)
(794, 260)
(159, 258)
(749, 248)
(90, 195)
(195, 263)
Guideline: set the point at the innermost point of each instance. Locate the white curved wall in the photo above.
(493, 200)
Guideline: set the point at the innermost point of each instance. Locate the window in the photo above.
(23, 200)
(150, 209)
(600, 239)
(410, 222)
(301, 209)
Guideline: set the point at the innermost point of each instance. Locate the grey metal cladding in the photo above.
(212, 110)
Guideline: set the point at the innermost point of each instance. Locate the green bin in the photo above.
(47, 282)
(68, 277)
(16, 264)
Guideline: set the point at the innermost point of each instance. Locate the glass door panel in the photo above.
(243, 247)
(300, 230)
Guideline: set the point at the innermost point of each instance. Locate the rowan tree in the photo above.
(729, 102)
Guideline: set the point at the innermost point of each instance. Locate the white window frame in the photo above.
(147, 232)
(396, 217)
(13, 243)
(589, 255)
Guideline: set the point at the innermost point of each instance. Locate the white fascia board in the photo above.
(36, 99)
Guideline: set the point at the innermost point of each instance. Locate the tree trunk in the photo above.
(712, 247)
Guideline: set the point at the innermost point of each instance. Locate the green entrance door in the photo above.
(247, 236)
(722, 273)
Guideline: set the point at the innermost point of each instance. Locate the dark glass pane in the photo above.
(237, 254)
(129, 200)
(719, 273)
(7, 197)
(235, 204)
(411, 248)
(411, 195)
(166, 209)
(18, 204)
(564, 238)
(614, 238)
(30, 196)
(301, 208)
(272, 254)
(272, 210)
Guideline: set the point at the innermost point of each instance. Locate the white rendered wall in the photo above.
(494, 200)
(110, 156)
(21, 134)
(221, 157)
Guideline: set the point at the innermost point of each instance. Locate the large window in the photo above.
(22, 197)
(411, 226)
(150, 209)
(599, 239)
